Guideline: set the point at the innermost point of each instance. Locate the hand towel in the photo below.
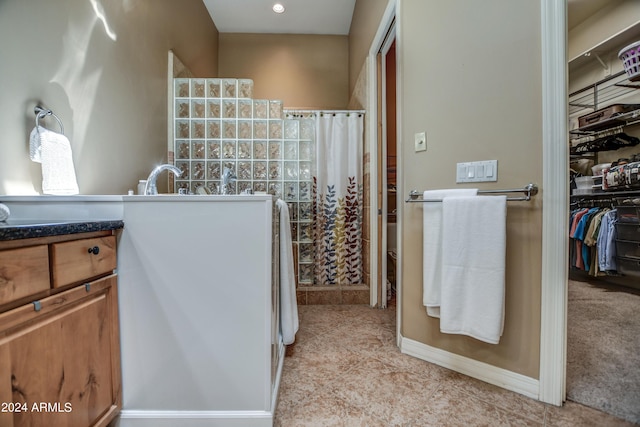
(288, 303)
(35, 148)
(432, 244)
(58, 172)
(473, 267)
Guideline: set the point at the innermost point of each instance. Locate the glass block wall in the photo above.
(217, 125)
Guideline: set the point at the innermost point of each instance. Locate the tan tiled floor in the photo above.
(345, 370)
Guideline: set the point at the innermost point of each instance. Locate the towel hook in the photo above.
(43, 112)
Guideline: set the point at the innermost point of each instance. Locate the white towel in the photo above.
(288, 303)
(35, 148)
(53, 150)
(473, 267)
(432, 245)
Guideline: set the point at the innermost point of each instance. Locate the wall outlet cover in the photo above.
(482, 171)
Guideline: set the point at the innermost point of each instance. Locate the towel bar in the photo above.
(529, 191)
(43, 112)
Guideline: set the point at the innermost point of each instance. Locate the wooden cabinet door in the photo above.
(59, 365)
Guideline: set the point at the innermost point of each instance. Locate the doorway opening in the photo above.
(387, 172)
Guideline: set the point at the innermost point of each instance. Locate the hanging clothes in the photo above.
(576, 235)
(592, 240)
(607, 242)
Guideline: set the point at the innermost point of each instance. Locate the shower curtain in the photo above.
(337, 196)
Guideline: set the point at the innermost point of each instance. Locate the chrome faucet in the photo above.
(227, 178)
(150, 188)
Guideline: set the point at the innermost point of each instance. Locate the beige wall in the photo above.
(475, 88)
(364, 25)
(109, 90)
(367, 15)
(304, 71)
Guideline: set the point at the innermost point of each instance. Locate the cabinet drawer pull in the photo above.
(37, 306)
(94, 250)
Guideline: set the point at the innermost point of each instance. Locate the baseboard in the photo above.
(137, 418)
(134, 418)
(509, 380)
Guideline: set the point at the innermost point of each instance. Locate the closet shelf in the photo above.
(611, 44)
(601, 93)
(605, 194)
(606, 126)
(607, 91)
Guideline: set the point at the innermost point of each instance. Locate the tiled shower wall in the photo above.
(218, 125)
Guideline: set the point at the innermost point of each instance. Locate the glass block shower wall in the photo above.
(218, 125)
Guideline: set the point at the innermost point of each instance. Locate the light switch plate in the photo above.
(421, 141)
(483, 171)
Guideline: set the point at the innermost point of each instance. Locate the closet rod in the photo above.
(529, 191)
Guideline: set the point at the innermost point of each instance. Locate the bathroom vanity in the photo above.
(199, 311)
(196, 285)
(59, 343)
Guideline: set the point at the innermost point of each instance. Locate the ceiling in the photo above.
(323, 16)
(300, 16)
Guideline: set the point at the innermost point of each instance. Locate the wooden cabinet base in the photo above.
(60, 359)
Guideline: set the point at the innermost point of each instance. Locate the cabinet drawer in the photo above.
(628, 249)
(628, 231)
(23, 272)
(629, 214)
(628, 266)
(80, 260)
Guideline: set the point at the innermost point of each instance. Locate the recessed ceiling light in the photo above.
(278, 8)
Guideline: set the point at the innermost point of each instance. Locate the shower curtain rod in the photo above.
(307, 111)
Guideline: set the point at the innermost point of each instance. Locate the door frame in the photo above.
(554, 191)
(383, 142)
(555, 202)
(387, 24)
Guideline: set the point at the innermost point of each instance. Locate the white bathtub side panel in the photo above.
(195, 334)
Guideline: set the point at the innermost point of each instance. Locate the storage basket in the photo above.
(628, 266)
(584, 182)
(630, 57)
(628, 249)
(627, 231)
(629, 214)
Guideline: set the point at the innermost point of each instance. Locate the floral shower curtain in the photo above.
(337, 191)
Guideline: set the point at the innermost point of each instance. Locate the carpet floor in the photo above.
(603, 349)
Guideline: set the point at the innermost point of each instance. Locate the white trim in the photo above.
(384, 50)
(170, 106)
(139, 418)
(399, 172)
(497, 376)
(276, 384)
(555, 161)
(372, 92)
(372, 100)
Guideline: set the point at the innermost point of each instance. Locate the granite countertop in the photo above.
(14, 229)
